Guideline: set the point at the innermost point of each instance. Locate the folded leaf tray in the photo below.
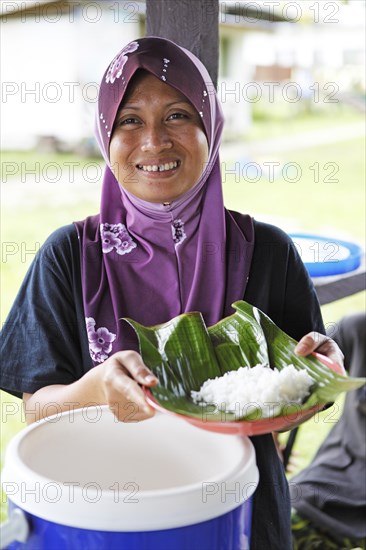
(183, 353)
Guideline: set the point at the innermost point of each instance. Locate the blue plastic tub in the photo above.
(85, 481)
(325, 256)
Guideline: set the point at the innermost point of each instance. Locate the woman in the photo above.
(162, 244)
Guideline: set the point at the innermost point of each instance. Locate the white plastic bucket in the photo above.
(85, 480)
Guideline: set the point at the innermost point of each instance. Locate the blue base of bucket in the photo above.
(228, 532)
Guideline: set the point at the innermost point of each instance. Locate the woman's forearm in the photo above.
(58, 398)
(116, 382)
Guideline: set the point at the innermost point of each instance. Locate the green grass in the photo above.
(272, 124)
(21, 240)
(16, 163)
(330, 208)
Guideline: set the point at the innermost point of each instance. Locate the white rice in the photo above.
(244, 390)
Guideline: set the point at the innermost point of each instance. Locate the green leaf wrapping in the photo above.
(183, 353)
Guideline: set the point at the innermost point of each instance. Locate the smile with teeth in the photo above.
(159, 167)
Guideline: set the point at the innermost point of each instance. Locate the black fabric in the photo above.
(44, 342)
(331, 491)
(279, 284)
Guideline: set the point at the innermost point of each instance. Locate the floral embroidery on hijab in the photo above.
(116, 67)
(115, 237)
(178, 231)
(100, 341)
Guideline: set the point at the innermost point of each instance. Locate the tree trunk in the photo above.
(193, 24)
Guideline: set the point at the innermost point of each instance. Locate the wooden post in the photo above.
(193, 24)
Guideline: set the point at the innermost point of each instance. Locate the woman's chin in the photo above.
(154, 192)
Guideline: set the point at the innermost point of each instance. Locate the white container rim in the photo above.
(153, 509)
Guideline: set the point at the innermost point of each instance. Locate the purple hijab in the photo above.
(151, 261)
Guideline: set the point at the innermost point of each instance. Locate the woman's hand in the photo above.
(314, 341)
(116, 382)
(123, 373)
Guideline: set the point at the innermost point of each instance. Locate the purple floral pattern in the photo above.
(116, 67)
(100, 341)
(178, 231)
(115, 237)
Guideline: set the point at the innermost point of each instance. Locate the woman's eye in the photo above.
(177, 116)
(129, 120)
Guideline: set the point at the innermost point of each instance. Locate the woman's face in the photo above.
(158, 148)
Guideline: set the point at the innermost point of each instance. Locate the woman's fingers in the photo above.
(127, 400)
(123, 372)
(310, 342)
(314, 341)
(133, 363)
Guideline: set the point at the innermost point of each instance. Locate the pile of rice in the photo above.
(245, 390)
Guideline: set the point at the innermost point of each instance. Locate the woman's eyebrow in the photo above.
(137, 106)
(179, 101)
(130, 106)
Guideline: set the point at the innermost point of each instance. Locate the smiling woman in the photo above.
(162, 244)
(158, 149)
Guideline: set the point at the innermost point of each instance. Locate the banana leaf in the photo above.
(183, 353)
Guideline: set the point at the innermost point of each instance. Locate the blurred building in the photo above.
(54, 54)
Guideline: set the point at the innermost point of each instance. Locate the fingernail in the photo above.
(150, 378)
(300, 348)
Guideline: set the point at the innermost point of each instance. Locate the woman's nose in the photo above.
(155, 139)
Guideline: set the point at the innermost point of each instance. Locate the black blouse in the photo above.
(44, 342)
